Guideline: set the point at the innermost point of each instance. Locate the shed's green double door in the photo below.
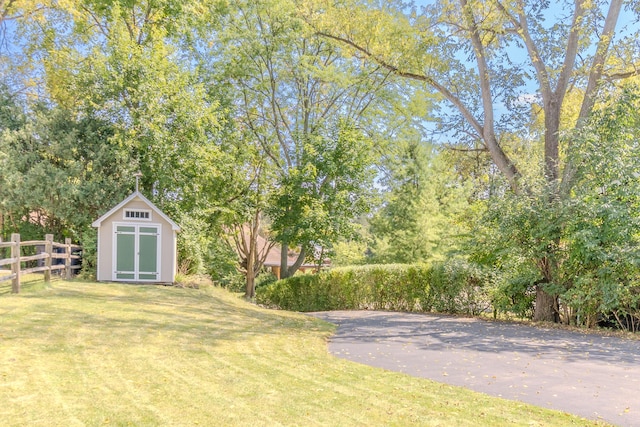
(136, 252)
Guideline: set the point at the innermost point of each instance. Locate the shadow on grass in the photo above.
(29, 284)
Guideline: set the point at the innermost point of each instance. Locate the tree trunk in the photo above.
(285, 269)
(546, 307)
(551, 144)
(250, 288)
(296, 265)
(284, 260)
(252, 258)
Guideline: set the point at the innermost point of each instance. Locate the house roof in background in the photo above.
(273, 256)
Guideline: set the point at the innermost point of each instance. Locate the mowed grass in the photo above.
(74, 353)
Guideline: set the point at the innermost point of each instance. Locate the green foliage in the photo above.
(192, 245)
(11, 115)
(583, 248)
(265, 278)
(420, 218)
(458, 287)
(221, 264)
(232, 109)
(304, 107)
(603, 233)
(482, 58)
(89, 239)
(120, 92)
(59, 173)
(319, 198)
(349, 252)
(512, 294)
(164, 117)
(453, 287)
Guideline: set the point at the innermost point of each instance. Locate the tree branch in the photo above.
(5, 11)
(500, 158)
(621, 75)
(103, 29)
(414, 76)
(595, 74)
(466, 150)
(521, 27)
(571, 52)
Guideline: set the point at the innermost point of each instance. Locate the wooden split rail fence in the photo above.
(48, 250)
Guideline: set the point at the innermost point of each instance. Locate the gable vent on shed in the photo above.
(141, 214)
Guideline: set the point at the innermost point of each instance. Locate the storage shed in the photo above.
(137, 243)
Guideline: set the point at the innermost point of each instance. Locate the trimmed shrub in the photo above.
(452, 287)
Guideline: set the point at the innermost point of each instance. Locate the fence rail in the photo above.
(47, 250)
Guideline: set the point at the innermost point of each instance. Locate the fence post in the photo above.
(67, 258)
(48, 249)
(15, 266)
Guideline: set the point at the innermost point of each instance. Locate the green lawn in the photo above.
(74, 353)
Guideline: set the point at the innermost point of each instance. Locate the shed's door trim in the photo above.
(136, 252)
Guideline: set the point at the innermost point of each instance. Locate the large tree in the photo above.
(245, 230)
(131, 65)
(596, 226)
(423, 204)
(489, 60)
(59, 173)
(301, 100)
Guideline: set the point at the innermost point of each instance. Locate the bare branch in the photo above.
(5, 11)
(146, 20)
(255, 132)
(262, 256)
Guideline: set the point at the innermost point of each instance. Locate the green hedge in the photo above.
(452, 287)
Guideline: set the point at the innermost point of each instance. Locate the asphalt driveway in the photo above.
(593, 376)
